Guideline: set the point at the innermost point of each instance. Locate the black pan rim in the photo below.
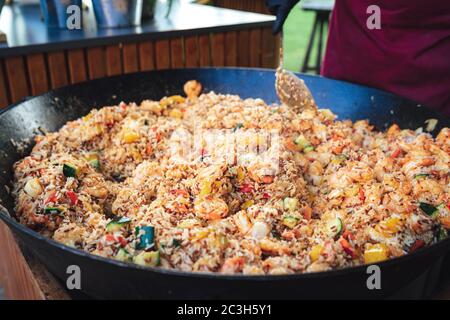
(16, 226)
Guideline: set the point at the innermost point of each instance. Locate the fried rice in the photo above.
(334, 194)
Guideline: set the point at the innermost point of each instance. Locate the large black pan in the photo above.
(103, 278)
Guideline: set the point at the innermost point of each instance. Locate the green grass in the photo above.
(296, 35)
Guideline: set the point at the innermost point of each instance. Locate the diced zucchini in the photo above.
(290, 221)
(70, 170)
(290, 203)
(123, 255)
(93, 159)
(117, 225)
(149, 259)
(302, 142)
(429, 209)
(334, 227)
(146, 237)
(238, 126)
(421, 175)
(177, 243)
(53, 210)
(442, 234)
(308, 149)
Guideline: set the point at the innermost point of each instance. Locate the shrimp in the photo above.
(211, 208)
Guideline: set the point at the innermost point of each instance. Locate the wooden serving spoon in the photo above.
(291, 90)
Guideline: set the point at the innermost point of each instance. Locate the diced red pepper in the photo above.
(110, 238)
(246, 188)
(266, 196)
(51, 198)
(348, 249)
(396, 153)
(362, 194)
(448, 205)
(72, 197)
(417, 245)
(121, 241)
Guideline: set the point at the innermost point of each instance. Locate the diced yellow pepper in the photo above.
(240, 174)
(87, 117)
(130, 136)
(171, 100)
(389, 227)
(136, 155)
(290, 222)
(205, 188)
(315, 252)
(247, 204)
(176, 113)
(352, 191)
(201, 234)
(376, 253)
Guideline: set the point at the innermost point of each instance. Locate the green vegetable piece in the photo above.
(146, 237)
(147, 259)
(123, 255)
(70, 171)
(421, 175)
(53, 210)
(117, 225)
(429, 209)
(334, 227)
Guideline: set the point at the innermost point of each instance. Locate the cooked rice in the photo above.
(232, 218)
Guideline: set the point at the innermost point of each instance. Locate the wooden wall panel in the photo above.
(177, 53)
(96, 59)
(243, 48)
(130, 58)
(255, 48)
(162, 50)
(114, 60)
(191, 51)
(76, 62)
(231, 49)
(146, 56)
(17, 78)
(269, 53)
(218, 49)
(204, 48)
(4, 99)
(37, 73)
(57, 69)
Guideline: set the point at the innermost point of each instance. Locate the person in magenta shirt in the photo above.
(409, 55)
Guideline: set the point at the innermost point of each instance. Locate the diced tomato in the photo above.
(51, 198)
(348, 249)
(448, 205)
(180, 192)
(396, 153)
(417, 245)
(362, 194)
(121, 241)
(72, 197)
(266, 196)
(246, 188)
